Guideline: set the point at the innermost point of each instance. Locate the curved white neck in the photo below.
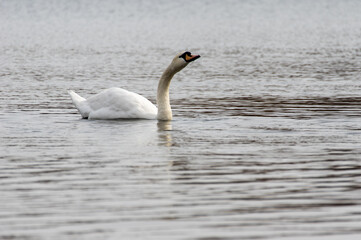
(164, 109)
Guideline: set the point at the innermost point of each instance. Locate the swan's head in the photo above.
(181, 60)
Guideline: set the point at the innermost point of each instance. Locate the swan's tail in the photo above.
(75, 97)
(80, 103)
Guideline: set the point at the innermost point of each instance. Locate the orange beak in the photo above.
(191, 58)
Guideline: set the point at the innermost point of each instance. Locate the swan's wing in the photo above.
(114, 103)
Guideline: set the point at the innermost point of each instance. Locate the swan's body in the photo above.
(114, 103)
(118, 103)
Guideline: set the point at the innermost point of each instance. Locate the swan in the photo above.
(118, 103)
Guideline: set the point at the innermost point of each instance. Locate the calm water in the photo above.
(265, 142)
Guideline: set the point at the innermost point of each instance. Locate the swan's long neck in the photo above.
(164, 109)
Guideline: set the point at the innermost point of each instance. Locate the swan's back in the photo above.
(115, 103)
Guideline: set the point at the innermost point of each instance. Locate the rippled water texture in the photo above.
(265, 142)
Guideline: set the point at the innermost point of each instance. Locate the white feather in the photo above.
(114, 103)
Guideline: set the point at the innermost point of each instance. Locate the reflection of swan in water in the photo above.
(140, 135)
(164, 130)
(164, 126)
(117, 103)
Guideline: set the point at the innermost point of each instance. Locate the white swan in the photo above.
(116, 103)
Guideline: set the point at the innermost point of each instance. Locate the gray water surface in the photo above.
(265, 141)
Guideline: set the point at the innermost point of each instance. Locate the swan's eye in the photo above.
(185, 54)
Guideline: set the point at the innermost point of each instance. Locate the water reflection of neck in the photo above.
(165, 136)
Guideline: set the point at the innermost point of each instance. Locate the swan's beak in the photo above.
(191, 58)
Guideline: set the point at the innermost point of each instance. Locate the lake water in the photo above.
(265, 141)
